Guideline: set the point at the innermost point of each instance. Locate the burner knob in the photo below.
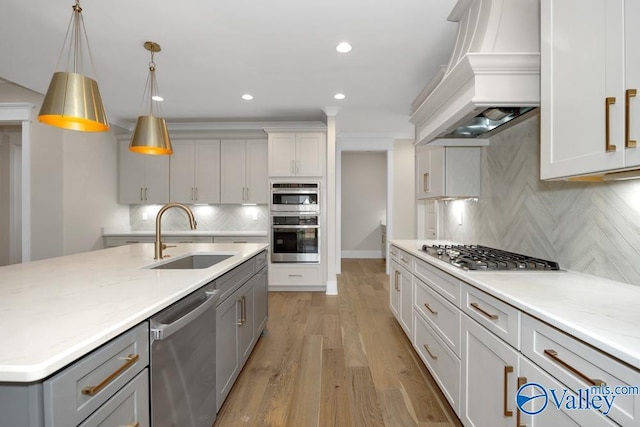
(439, 251)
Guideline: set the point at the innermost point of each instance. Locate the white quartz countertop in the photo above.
(205, 233)
(600, 312)
(55, 311)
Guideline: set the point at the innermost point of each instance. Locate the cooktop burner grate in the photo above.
(476, 257)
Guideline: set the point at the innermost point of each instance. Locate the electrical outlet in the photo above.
(144, 216)
(460, 218)
(255, 216)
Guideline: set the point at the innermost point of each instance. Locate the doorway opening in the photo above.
(10, 193)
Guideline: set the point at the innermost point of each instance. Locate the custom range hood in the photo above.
(493, 78)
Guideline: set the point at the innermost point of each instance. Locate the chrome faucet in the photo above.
(159, 246)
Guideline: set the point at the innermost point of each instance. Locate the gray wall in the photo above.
(364, 203)
(588, 227)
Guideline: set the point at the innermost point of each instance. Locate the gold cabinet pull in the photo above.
(608, 102)
(92, 390)
(426, 347)
(628, 142)
(484, 312)
(521, 381)
(425, 182)
(133, 425)
(397, 274)
(553, 355)
(507, 371)
(435, 313)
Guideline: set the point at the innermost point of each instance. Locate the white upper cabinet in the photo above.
(296, 154)
(590, 61)
(195, 172)
(244, 171)
(447, 172)
(143, 178)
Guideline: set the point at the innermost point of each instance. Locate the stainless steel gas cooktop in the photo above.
(476, 257)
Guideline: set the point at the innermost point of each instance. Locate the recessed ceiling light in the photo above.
(344, 47)
(157, 98)
(247, 97)
(339, 96)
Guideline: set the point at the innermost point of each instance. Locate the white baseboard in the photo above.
(362, 254)
(332, 287)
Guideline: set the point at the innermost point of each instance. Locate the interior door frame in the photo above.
(356, 143)
(21, 113)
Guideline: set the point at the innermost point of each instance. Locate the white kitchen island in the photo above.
(54, 312)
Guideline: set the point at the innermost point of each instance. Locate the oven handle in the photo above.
(163, 330)
(294, 226)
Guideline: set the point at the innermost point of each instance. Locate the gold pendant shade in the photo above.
(151, 136)
(73, 102)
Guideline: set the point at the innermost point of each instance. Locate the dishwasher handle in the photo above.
(162, 331)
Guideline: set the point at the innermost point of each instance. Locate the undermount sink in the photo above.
(192, 262)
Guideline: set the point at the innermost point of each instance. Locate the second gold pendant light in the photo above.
(151, 135)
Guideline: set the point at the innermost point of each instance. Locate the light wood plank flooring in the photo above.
(336, 361)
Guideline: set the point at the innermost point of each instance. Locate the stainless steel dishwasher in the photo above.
(183, 362)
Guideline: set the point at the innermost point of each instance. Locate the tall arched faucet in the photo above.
(159, 246)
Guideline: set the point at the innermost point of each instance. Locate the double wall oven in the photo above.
(295, 222)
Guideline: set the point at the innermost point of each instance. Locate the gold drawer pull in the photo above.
(92, 390)
(481, 310)
(507, 371)
(608, 102)
(521, 381)
(426, 347)
(133, 425)
(435, 313)
(628, 142)
(553, 355)
(425, 183)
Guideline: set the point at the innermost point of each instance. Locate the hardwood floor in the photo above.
(336, 361)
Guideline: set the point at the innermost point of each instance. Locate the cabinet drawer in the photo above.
(186, 239)
(579, 366)
(240, 239)
(401, 257)
(111, 242)
(231, 280)
(295, 275)
(129, 406)
(495, 315)
(445, 284)
(551, 416)
(261, 260)
(76, 392)
(443, 364)
(443, 316)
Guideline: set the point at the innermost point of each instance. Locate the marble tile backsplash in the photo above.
(589, 227)
(208, 217)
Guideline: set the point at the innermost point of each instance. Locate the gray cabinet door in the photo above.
(260, 301)
(227, 348)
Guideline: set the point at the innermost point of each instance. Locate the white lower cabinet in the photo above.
(401, 298)
(442, 362)
(489, 371)
(481, 351)
(536, 381)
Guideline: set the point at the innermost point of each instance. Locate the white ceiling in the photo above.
(280, 51)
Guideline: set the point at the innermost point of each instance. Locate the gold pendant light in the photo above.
(151, 135)
(73, 100)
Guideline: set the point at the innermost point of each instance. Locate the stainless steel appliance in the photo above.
(183, 362)
(295, 238)
(476, 257)
(295, 197)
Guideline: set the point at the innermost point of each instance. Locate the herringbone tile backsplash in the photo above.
(589, 227)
